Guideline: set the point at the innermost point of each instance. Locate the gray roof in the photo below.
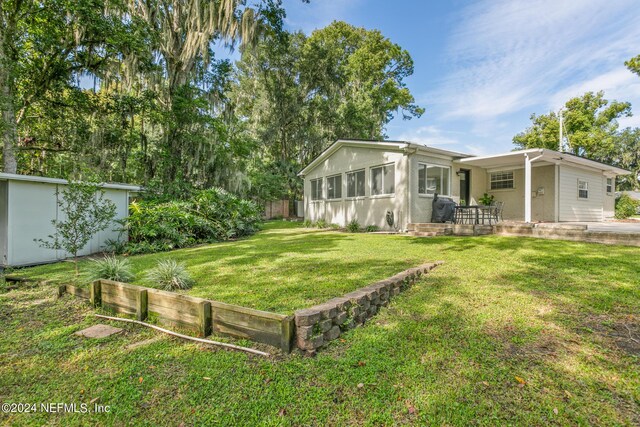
(45, 180)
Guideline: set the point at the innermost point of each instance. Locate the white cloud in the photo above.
(619, 84)
(508, 56)
(428, 135)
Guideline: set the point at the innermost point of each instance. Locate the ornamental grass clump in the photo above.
(170, 275)
(111, 268)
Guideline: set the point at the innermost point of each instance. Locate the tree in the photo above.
(183, 33)
(634, 64)
(358, 74)
(627, 156)
(298, 94)
(45, 46)
(85, 212)
(590, 125)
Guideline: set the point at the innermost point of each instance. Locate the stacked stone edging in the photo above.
(320, 324)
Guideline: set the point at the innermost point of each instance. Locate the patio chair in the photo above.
(497, 212)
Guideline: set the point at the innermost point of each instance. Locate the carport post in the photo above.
(527, 188)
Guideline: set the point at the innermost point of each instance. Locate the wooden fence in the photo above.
(198, 315)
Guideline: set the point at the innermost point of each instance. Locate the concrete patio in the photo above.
(615, 233)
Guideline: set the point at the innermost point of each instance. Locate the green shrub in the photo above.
(307, 223)
(170, 276)
(207, 216)
(486, 199)
(111, 268)
(115, 246)
(334, 226)
(372, 228)
(321, 223)
(353, 226)
(626, 207)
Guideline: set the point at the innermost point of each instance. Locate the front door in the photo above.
(465, 187)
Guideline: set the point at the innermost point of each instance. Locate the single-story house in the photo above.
(364, 180)
(28, 204)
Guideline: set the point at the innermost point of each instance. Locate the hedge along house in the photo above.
(27, 206)
(364, 180)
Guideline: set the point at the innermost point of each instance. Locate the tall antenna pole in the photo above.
(560, 140)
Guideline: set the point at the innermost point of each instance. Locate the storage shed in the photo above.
(28, 204)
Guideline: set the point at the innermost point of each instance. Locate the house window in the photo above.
(316, 189)
(383, 180)
(334, 187)
(355, 184)
(502, 180)
(583, 189)
(609, 186)
(433, 179)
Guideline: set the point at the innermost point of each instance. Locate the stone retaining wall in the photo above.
(318, 325)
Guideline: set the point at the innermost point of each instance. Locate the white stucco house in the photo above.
(27, 206)
(366, 179)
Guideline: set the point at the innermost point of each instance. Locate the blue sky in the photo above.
(482, 67)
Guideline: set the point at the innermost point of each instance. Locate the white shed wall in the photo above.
(573, 208)
(4, 222)
(31, 207)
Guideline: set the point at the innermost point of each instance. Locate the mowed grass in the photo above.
(509, 331)
(281, 269)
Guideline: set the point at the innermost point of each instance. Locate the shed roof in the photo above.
(42, 179)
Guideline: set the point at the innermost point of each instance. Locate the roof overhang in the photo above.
(45, 180)
(541, 156)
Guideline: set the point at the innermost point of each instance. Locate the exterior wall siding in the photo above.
(4, 222)
(30, 208)
(573, 208)
(609, 200)
(554, 194)
(543, 194)
(367, 210)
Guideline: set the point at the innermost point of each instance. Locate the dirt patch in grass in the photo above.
(623, 332)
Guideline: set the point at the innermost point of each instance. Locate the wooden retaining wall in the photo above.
(198, 315)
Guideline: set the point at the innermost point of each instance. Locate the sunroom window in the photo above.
(434, 179)
(334, 187)
(383, 180)
(316, 189)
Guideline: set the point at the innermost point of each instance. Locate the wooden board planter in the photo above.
(197, 315)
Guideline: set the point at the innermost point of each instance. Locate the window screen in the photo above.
(383, 180)
(355, 184)
(316, 189)
(433, 180)
(334, 187)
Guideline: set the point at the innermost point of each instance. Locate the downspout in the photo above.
(527, 184)
(408, 190)
(556, 207)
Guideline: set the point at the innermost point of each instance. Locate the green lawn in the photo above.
(508, 331)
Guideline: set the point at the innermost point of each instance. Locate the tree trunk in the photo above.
(7, 101)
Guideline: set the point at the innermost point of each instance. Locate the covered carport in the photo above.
(576, 188)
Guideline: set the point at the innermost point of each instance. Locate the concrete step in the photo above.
(429, 227)
(425, 233)
(426, 228)
(556, 226)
